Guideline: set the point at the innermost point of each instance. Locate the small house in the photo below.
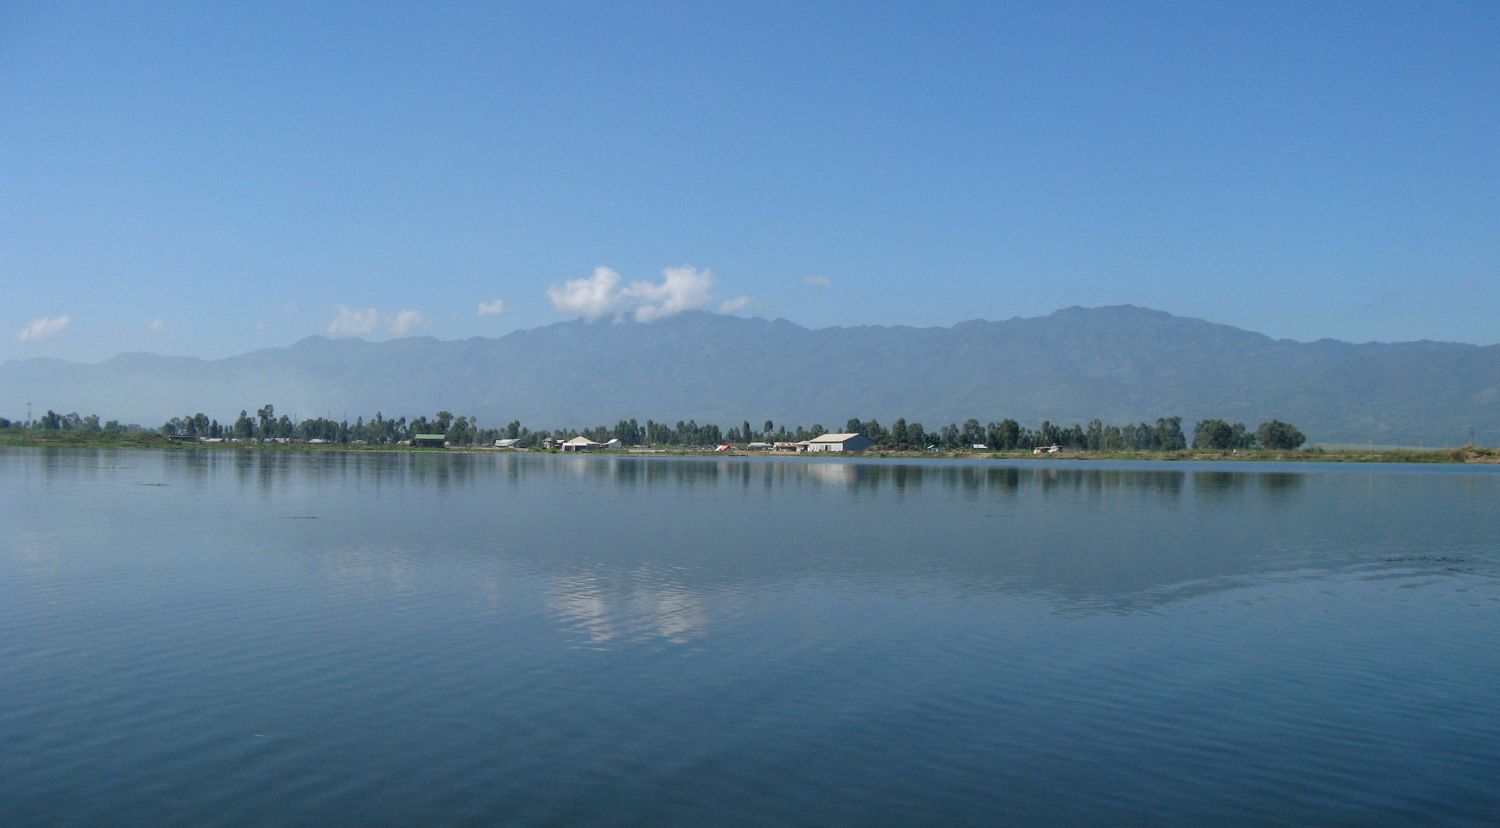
(428, 440)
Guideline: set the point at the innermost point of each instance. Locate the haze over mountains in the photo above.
(1119, 364)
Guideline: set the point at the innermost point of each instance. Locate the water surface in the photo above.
(229, 637)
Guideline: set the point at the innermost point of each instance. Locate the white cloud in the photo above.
(680, 289)
(353, 321)
(360, 321)
(735, 304)
(818, 281)
(44, 328)
(404, 321)
(156, 324)
(494, 308)
(591, 298)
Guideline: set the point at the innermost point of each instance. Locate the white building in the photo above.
(841, 443)
(580, 443)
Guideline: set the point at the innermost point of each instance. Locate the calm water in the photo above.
(221, 637)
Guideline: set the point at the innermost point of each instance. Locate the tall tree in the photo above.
(1274, 434)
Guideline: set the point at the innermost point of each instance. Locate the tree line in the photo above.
(53, 421)
(1165, 434)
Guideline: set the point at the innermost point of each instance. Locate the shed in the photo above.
(839, 443)
(428, 440)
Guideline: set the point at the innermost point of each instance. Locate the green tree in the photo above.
(1219, 435)
(1095, 436)
(916, 437)
(244, 427)
(1168, 434)
(898, 433)
(1214, 434)
(971, 433)
(951, 435)
(1010, 435)
(1274, 434)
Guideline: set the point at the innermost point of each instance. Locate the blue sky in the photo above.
(206, 179)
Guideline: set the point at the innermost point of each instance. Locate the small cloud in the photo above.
(818, 281)
(44, 328)
(156, 324)
(591, 298)
(736, 304)
(680, 289)
(353, 321)
(1473, 284)
(260, 325)
(494, 308)
(404, 321)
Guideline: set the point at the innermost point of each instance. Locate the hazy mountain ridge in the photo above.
(1116, 363)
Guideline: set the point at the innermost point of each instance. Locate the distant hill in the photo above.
(1118, 364)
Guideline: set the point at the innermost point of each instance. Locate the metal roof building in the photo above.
(842, 443)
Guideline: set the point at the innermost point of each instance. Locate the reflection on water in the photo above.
(406, 638)
(280, 472)
(1089, 536)
(629, 606)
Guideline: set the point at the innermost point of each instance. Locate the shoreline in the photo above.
(1460, 455)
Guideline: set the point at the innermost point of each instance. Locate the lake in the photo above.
(229, 637)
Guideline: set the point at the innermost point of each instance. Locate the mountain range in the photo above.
(1119, 364)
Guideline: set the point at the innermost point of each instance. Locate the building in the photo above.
(839, 443)
(428, 440)
(507, 443)
(580, 443)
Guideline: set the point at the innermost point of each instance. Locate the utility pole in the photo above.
(28, 413)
